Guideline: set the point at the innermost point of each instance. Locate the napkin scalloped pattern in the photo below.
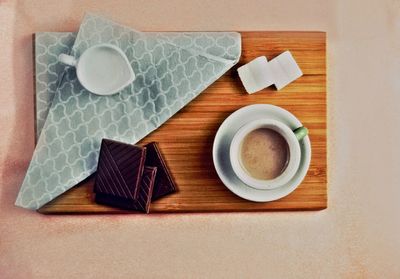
(48, 46)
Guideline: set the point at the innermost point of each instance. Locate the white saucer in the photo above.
(221, 152)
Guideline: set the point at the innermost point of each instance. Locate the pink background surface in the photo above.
(358, 236)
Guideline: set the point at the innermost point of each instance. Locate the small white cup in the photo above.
(292, 138)
(102, 69)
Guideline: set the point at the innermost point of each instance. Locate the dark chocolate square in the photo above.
(164, 183)
(144, 198)
(120, 169)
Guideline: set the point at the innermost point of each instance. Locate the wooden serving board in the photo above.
(186, 139)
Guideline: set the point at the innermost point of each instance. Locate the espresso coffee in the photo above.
(264, 154)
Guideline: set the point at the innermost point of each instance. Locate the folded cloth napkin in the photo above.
(171, 69)
(48, 46)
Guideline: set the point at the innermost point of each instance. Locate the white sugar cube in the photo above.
(256, 75)
(284, 69)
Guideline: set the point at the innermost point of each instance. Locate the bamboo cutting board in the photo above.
(186, 139)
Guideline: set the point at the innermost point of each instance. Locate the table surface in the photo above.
(356, 237)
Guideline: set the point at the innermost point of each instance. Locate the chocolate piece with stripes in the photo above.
(144, 195)
(120, 169)
(164, 183)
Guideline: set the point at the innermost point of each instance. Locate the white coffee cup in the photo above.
(102, 69)
(291, 137)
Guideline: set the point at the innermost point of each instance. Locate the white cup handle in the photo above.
(67, 59)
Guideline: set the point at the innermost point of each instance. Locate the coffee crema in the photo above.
(264, 154)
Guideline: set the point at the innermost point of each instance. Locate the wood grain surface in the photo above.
(186, 139)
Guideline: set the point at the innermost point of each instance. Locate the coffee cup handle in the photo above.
(67, 59)
(300, 133)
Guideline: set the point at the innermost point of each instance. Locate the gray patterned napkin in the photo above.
(171, 69)
(48, 71)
